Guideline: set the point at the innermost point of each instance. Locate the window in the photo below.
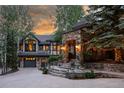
(30, 59)
(47, 48)
(30, 45)
(20, 47)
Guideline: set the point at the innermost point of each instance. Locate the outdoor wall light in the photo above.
(63, 48)
(78, 47)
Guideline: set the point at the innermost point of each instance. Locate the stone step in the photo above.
(58, 71)
(57, 74)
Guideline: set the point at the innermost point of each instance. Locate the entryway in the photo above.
(71, 49)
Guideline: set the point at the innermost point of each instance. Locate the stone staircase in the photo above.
(65, 71)
(79, 73)
(58, 71)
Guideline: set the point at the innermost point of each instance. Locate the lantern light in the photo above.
(63, 48)
(78, 47)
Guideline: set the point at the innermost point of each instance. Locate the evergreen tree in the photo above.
(16, 22)
(106, 30)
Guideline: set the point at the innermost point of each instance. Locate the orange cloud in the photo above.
(43, 17)
(44, 26)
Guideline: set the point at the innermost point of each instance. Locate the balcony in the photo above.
(35, 54)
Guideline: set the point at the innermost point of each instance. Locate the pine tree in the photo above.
(106, 30)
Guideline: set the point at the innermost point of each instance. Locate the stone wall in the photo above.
(105, 67)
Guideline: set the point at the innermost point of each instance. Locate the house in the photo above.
(75, 44)
(34, 50)
(73, 41)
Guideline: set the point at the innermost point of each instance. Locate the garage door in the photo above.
(30, 62)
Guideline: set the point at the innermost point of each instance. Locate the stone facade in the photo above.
(105, 66)
(74, 35)
(71, 41)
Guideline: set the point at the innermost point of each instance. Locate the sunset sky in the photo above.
(43, 17)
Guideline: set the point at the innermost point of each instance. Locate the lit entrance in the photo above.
(71, 46)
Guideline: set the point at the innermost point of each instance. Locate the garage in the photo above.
(30, 62)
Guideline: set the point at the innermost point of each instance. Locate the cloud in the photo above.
(44, 27)
(43, 17)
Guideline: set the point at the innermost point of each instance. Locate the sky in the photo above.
(43, 17)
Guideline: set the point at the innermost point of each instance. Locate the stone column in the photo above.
(22, 63)
(82, 48)
(118, 54)
(38, 63)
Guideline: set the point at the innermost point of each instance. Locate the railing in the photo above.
(45, 52)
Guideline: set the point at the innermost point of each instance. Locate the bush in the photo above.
(90, 75)
(88, 56)
(54, 59)
(45, 70)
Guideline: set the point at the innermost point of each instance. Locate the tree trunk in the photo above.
(118, 54)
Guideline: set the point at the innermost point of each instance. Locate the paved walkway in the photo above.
(33, 78)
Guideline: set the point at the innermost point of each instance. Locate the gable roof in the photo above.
(43, 38)
(23, 38)
(40, 38)
(82, 24)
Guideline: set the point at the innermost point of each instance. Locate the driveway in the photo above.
(33, 78)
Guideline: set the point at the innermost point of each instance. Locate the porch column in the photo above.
(51, 50)
(38, 63)
(82, 48)
(23, 46)
(118, 54)
(66, 51)
(56, 49)
(22, 63)
(37, 46)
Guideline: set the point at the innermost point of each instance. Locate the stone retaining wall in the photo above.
(105, 66)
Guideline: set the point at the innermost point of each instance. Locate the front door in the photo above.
(71, 49)
(30, 62)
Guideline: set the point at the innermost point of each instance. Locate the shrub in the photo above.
(90, 74)
(45, 70)
(88, 56)
(52, 59)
